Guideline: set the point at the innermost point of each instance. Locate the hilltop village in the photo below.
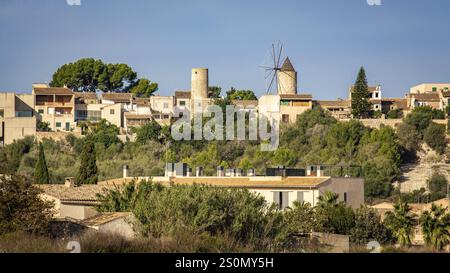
(63, 116)
(63, 110)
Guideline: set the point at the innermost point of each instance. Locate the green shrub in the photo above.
(435, 137)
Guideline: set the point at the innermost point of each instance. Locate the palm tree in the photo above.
(328, 199)
(436, 227)
(401, 223)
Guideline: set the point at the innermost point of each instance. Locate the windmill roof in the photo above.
(287, 65)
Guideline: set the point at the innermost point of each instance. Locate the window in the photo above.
(345, 197)
(111, 111)
(285, 118)
(301, 196)
(41, 111)
(166, 105)
(377, 95)
(157, 116)
(434, 89)
(2, 113)
(67, 126)
(24, 114)
(58, 125)
(182, 103)
(281, 199)
(165, 116)
(94, 115)
(284, 102)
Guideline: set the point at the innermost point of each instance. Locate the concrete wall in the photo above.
(121, 226)
(12, 125)
(353, 188)
(293, 111)
(309, 195)
(75, 211)
(428, 87)
(17, 128)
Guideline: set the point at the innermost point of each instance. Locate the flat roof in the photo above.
(254, 182)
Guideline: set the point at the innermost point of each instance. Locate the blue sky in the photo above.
(401, 43)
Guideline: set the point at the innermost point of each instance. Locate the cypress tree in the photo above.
(87, 173)
(360, 96)
(41, 171)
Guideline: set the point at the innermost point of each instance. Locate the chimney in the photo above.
(199, 171)
(251, 172)
(69, 182)
(125, 171)
(220, 171)
(319, 170)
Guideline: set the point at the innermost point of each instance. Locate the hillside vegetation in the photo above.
(316, 138)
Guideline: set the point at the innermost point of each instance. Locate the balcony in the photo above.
(58, 104)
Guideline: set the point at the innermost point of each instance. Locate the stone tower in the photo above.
(287, 79)
(199, 83)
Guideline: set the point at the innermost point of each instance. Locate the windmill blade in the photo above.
(268, 74)
(279, 55)
(274, 57)
(271, 83)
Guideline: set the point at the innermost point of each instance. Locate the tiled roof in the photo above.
(142, 101)
(296, 96)
(333, 103)
(81, 97)
(426, 97)
(117, 97)
(400, 103)
(52, 91)
(136, 116)
(183, 94)
(103, 218)
(371, 88)
(287, 65)
(85, 193)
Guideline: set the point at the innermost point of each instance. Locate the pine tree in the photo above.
(41, 171)
(87, 174)
(360, 96)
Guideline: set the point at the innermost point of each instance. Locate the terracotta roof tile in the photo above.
(85, 193)
(106, 217)
(296, 96)
(183, 94)
(117, 97)
(52, 91)
(334, 103)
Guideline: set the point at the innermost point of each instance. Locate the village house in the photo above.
(17, 117)
(282, 187)
(55, 106)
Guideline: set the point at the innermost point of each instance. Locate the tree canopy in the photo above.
(360, 96)
(90, 75)
(234, 94)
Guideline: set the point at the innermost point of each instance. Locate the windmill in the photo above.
(276, 68)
